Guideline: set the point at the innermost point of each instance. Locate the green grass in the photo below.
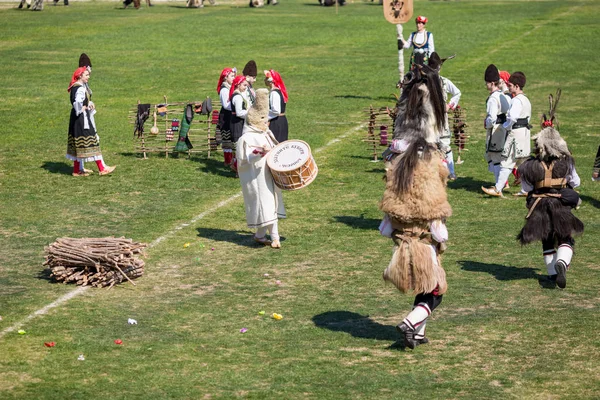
(497, 334)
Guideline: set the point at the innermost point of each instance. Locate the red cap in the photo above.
(236, 82)
(422, 19)
(224, 74)
(76, 75)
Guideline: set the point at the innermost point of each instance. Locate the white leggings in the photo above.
(272, 229)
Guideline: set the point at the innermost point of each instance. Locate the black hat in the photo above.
(518, 78)
(84, 61)
(492, 74)
(435, 62)
(250, 69)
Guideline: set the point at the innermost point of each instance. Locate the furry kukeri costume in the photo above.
(416, 205)
(550, 178)
(421, 110)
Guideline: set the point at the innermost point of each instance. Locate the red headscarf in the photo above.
(236, 82)
(224, 74)
(422, 19)
(278, 83)
(76, 75)
(505, 76)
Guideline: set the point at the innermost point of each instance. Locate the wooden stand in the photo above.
(202, 133)
(380, 129)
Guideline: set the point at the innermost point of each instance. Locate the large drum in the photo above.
(292, 165)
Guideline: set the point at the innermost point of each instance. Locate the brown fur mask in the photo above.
(258, 114)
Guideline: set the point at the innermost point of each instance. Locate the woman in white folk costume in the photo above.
(239, 110)
(263, 200)
(517, 145)
(497, 105)
(83, 143)
(422, 42)
(278, 98)
(224, 123)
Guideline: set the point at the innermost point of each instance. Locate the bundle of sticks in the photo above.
(98, 262)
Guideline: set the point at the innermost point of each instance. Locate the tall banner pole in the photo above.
(398, 12)
(400, 52)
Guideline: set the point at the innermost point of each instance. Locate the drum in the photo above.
(292, 165)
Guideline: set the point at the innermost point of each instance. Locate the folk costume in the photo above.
(517, 147)
(250, 71)
(224, 123)
(416, 206)
(83, 143)
(263, 200)
(448, 88)
(550, 177)
(497, 105)
(239, 108)
(422, 43)
(278, 98)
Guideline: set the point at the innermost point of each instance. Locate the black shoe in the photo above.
(409, 335)
(548, 282)
(561, 274)
(423, 340)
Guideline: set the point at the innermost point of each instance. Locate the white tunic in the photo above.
(263, 200)
(518, 142)
(497, 103)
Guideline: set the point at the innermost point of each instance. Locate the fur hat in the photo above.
(250, 69)
(492, 74)
(84, 61)
(518, 78)
(549, 144)
(258, 114)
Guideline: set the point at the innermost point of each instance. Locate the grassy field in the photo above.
(497, 334)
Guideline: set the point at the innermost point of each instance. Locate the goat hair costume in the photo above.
(415, 265)
(551, 174)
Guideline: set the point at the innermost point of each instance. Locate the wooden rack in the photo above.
(202, 133)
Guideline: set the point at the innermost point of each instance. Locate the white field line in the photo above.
(82, 289)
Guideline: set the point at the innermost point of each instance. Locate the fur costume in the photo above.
(414, 198)
(420, 111)
(550, 201)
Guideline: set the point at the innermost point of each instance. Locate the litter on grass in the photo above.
(131, 321)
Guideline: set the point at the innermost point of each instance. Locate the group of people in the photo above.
(237, 95)
(415, 202)
(508, 138)
(251, 123)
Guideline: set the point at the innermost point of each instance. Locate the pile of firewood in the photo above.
(97, 262)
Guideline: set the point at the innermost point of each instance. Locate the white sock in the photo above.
(565, 253)
(420, 332)
(495, 169)
(417, 316)
(550, 260)
(274, 231)
(261, 232)
(450, 162)
(503, 175)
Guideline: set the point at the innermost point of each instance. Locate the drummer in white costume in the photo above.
(263, 200)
